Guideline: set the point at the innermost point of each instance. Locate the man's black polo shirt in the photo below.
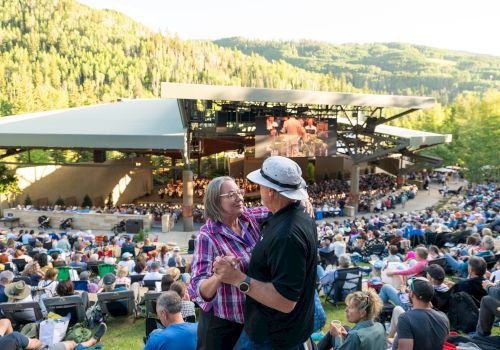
(286, 256)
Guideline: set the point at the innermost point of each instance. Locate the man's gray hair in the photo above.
(6, 277)
(488, 243)
(169, 301)
(211, 200)
(345, 260)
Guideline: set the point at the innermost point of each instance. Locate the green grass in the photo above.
(127, 333)
(124, 333)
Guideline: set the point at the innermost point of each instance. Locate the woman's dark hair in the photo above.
(166, 283)
(42, 259)
(140, 266)
(54, 255)
(65, 288)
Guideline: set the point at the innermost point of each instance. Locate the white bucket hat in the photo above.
(283, 175)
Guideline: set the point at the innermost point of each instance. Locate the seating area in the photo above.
(115, 278)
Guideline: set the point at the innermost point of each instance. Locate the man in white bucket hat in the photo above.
(279, 284)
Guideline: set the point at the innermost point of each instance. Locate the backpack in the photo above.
(78, 333)
(463, 312)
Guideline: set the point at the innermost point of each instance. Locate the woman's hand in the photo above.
(337, 330)
(226, 268)
(309, 209)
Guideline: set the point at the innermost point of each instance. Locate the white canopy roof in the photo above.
(149, 124)
(235, 93)
(416, 138)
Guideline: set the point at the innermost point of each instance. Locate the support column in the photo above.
(187, 200)
(354, 200)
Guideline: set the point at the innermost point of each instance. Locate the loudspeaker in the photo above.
(134, 225)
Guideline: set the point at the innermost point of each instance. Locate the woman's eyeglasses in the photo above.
(234, 195)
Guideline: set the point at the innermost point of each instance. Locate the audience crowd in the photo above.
(429, 272)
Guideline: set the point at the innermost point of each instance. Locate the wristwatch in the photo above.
(244, 286)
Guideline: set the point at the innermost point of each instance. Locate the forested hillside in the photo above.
(60, 53)
(394, 68)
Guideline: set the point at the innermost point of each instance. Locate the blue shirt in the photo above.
(178, 336)
(3, 297)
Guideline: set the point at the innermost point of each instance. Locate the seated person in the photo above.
(66, 288)
(154, 274)
(362, 310)
(187, 306)
(18, 341)
(92, 287)
(76, 261)
(460, 265)
(436, 275)
(127, 261)
(489, 310)
(422, 327)
(176, 260)
(474, 284)
(177, 335)
(20, 292)
(328, 278)
(393, 254)
(6, 278)
(418, 268)
(166, 283)
(121, 277)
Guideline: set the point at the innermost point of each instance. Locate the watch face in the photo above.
(244, 287)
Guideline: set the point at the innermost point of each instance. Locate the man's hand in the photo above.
(226, 268)
(487, 283)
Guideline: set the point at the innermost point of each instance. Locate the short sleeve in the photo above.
(404, 328)
(288, 266)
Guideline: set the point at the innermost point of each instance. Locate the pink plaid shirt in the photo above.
(217, 239)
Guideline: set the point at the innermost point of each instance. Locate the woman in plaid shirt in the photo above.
(230, 229)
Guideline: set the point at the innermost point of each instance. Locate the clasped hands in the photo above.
(226, 269)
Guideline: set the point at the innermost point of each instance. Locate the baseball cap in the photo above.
(126, 255)
(177, 249)
(109, 279)
(422, 288)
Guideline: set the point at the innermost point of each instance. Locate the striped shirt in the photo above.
(216, 239)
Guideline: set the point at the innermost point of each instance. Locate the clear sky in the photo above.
(466, 25)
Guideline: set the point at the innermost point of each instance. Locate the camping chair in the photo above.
(10, 310)
(491, 260)
(26, 279)
(117, 304)
(150, 284)
(439, 261)
(378, 250)
(152, 321)
(72, 304)
(341, 282)
(81, 285)
(20, 264)
(136, 278)
(93, 266)
(327, 258)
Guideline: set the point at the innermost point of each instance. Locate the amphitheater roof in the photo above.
(147, 124)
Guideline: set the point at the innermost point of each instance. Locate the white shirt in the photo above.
(153, 276)
(130, 264)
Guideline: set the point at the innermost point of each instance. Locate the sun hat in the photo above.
(17, 291)
(283, 175)
(422, 288)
